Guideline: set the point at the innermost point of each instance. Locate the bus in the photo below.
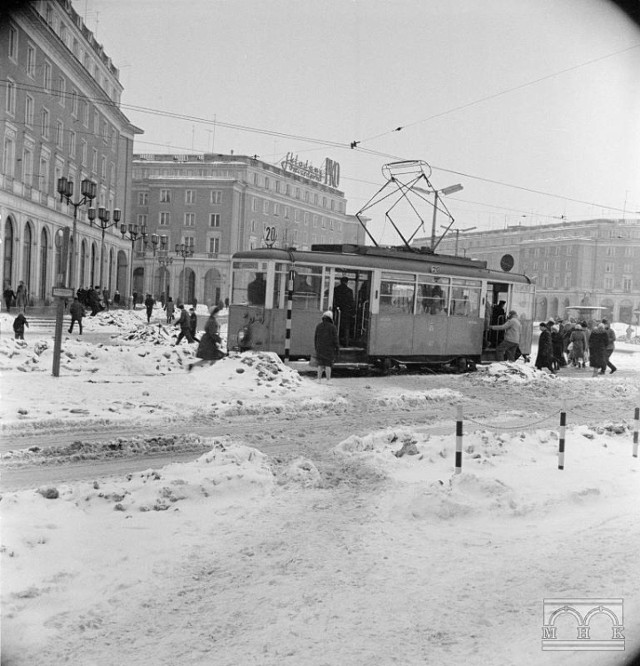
(411, 307)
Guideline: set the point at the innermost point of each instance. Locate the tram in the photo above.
(408, 306)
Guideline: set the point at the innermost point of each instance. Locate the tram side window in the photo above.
(433, 294)
(397, 294)
(465, 298)
(306, 287)
(248, 283)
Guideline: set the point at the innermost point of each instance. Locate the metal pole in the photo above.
(457, 237)
(133, 305)
(72, 267)
(459, 433)
(433, 223)
(102, 258)
(287, 339)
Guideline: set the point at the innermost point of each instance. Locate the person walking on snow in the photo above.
(611, 339)
(149, 302)
(209, 348)
(193, 323)
(184, 324)
(77, 313)
(18, 326)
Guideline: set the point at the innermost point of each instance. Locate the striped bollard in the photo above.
(459, 440)
(563, 425)
(287, 339)
(636, 418)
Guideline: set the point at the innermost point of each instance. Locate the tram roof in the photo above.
(387, 258)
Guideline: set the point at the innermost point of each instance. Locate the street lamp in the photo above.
(458, 232)
(164, 260)
(65, 190)
(105, 222)
(184, 251)
(132, 232)
(438, 193)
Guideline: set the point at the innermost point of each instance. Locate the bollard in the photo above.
(563, 423)
(459, 440)
(636, 418)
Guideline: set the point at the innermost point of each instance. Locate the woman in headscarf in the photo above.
(579, 342)
(209, 347)
(326, 344)
(598, 350)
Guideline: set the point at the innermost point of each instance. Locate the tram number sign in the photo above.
(270, 236)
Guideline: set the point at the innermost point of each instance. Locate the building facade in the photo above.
(213, 205)
(60, 117)
(591, 263)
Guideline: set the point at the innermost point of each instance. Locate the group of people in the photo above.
(575, 344)
(18, 298)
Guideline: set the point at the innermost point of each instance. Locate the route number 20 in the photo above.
(270, 236)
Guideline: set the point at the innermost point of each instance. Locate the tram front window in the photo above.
(248, 284)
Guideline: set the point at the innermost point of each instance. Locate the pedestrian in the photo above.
(169, 306)
(105, 298)
(326, 345)
(22, 297)
(193, 323)
(558, 347)
(94, 301)
(598, 350)
(344, 302)
(544, 359)
(76, 310)
(512, 328)
(18, 326)
(184, 324)
(9, 296)
(209, 348)
(611, 344)
(116, 298)
(577, 344)
(134, 299)
(149, 302)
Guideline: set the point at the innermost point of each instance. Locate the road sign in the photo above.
(63, 292)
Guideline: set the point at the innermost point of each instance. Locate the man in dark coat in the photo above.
(77, 313)
(193, 323)
(326, 344)
(209, 348)
(149, 302)
(343, 301)
(611, 340)
(598, 350)
(184, 324)
(9, 297)
(544, 359)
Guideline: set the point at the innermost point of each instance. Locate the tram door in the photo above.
(495, 313)
(351, 304)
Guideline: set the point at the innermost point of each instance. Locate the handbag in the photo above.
(313, 361)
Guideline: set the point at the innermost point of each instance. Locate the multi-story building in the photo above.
(60, 117)
(215, 205)
(594, 262)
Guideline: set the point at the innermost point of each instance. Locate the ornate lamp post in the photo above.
(105, 222)
(65, 190)
(183, 251)
(164, 260)
(132, 232)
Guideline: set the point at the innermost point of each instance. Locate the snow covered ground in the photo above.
(372, 552)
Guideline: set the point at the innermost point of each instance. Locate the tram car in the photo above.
(391, 305)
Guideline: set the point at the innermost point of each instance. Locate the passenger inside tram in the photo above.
(257, 290)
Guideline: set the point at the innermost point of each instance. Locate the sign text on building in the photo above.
(329, 174)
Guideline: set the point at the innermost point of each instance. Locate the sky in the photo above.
(532, 106)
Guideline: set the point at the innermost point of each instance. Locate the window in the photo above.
(85, 113)
(31, 61)
(13, 44)
(626, 284)
(8, 157)
(105, 131)
(286, 212)
(214, 219)
(96, 123)
(10, 104)
(62, 91)
(94, 160)
(265, 207)
(44, 123)
(214, 245)
(28, 110)
(216, 197)
(254, 205)
(297, 192)
(266, 183)
(189, 219)
(611, 252)
(103, 167)
(83, 151)
(397, 293)
(27, 166)
(608, 283)
(189, 242)
(276, 208)
(141, 219)
(59, 134)
(165, 196)
(43, 173)
(608, 268)
(164, 219)
(46, 76)
(143, 198)
(189, 196)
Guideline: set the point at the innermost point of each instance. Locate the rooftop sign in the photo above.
(328, 174)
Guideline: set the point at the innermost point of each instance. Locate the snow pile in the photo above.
(508, 371)
(157, 334)
(502, 474)
(412, 399)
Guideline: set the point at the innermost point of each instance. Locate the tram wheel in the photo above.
(461, 365)
(385, 365)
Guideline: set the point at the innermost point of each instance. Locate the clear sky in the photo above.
(532, 105)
